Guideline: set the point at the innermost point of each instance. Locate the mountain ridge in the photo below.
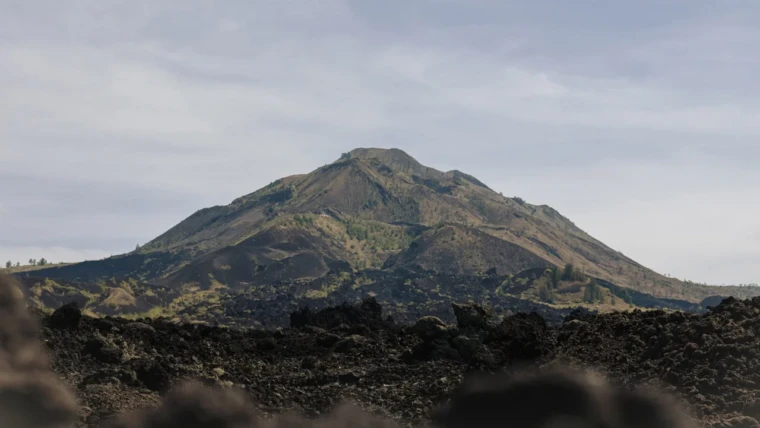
(375, 209)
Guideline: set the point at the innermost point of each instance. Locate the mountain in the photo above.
(372, 209)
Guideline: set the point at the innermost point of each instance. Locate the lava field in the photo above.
(403, 374)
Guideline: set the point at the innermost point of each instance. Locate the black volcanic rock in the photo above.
(101, 350)
(711, 361)
(712, 301)
(526, 336)
(430, 328)
(349, 343)
(67, 316)
(472, 316)
(152, 375)
(369, 313)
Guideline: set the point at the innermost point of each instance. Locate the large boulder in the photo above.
(472, 316)
(524, 337)
(368, 313)
(139, 328)
(66, 317)
(152, 375)
(467, 346)
(430, 328)
(103, 351)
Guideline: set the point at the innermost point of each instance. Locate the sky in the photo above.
(638, 120)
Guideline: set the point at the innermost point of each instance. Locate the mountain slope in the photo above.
(460, 250)
(373, 209)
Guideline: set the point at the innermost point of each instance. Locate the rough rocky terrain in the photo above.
(711, 362)
(407, 295)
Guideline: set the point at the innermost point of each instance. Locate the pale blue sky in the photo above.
(636, 119)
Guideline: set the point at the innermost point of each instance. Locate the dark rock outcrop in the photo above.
(472, 316)
(369, 313)
(67, 316)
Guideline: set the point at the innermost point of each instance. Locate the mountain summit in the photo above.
(367, 208)
(377, 210)
(393, 158)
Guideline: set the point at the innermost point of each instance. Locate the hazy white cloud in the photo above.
(118, 119)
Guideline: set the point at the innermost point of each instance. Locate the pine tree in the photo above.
(628, 298)
(569, 272)
(556, 277)
(592, 292)
(545, 293)
(588, 294)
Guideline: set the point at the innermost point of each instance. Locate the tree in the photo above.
(42, 262)
(32, 262)
(592, 293)
(556, 277)
(627, 297)
(544, 291)
(18, 264)
(569, 273)
(8, 264)
(597, 290)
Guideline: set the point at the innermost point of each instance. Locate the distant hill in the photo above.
(372, 209)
